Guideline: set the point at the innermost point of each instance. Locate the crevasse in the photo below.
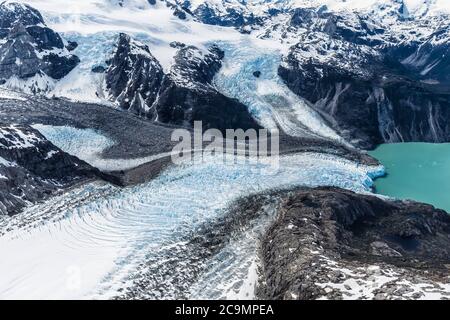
(90, 242)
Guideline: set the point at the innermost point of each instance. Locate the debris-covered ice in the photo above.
(87, 243)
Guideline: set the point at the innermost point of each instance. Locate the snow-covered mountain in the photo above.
(32, 55)
(32, 168)
(105, 83)
(325, 51)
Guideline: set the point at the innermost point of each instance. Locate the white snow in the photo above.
(86, 244)
(357, 284)
(81, 84)
(6, 163)
(38, 84)
(50, 154)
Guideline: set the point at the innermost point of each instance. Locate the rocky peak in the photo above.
(28, 48)
(134, 77)
(13, 12)
(136, 82)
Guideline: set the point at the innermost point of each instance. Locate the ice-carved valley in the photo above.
(90, 242)
(88, 145)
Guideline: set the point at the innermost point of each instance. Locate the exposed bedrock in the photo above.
(332, 243)
(31, 168)
(28, 48)
(372, 95)
(185, 94)
(134, 77)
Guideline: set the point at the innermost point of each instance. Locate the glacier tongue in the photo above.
(270, 101)
(90, 242)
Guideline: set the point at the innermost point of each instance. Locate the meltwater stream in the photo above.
(99, 241)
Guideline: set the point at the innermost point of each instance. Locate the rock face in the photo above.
(137, 82)
(332, 243)
(370, 96)
(134, 77)
(31, 50)
(187, 94)
(31, 168)
(371, 88)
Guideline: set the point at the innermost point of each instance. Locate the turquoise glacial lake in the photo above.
(417, 171)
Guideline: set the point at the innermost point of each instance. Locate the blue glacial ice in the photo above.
(269, 100)
(89, 242)
(88, 145)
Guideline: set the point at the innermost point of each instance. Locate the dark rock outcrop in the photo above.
(231, 17)
(98, 69)
(371, 95)
(134, 77)
(187, 94)
(31, 168)
(28, 47)
(136, 80)
(333, 243)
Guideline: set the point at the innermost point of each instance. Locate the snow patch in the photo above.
(15, 138)
(6, 163)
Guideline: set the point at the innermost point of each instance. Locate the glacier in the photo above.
(88, 145)
(269, 100)
(90, 242)
(98, 241)
(94, 26)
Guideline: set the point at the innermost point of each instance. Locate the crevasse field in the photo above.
(97, 240)
(101, 235)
